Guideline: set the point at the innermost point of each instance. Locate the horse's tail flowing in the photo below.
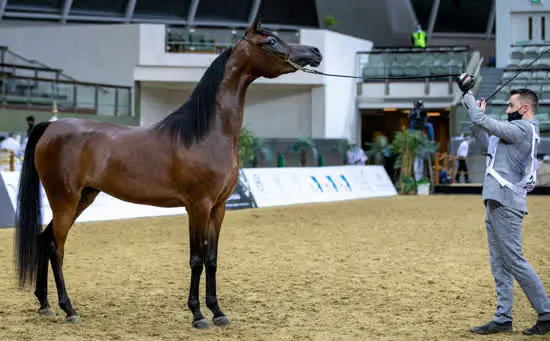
(28, 216)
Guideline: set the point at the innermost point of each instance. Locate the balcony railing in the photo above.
(23, 87)
(398, 62)
(210, 40)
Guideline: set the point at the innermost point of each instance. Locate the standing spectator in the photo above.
(30, 123)
(419, 38)
(462, 154)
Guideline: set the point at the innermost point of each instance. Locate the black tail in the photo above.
(28, 216)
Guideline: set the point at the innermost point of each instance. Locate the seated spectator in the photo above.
(10, 143)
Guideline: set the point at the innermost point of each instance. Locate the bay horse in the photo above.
(188, 159)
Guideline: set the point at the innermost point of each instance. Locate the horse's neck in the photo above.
(231, 97)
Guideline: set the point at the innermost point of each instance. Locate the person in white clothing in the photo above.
(356, 156)
(462, 154)
(10, 144)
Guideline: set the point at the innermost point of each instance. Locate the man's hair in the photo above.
(527, 95)
(30, 118)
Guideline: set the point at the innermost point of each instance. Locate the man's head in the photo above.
(523, 104)
(30, 120)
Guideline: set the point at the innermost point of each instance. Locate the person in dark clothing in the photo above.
(30, 122)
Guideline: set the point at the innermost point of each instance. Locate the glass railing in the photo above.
(211, 40)
(75, 97)
(397, 62)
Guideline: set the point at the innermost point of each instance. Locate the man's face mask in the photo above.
(516, 115)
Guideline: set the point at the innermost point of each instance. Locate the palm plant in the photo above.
(302, 146)
(342, 147)
(250, 146)
(408, 145)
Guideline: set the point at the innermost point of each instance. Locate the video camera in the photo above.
(418, 115)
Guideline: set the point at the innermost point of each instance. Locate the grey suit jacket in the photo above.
(513, 155)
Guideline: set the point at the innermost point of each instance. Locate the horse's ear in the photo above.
(256, 24)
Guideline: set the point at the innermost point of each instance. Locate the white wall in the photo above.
(89, 53)
(273, 111)
(335, 103)
(278, 111)
(156, 103)
(511, 25)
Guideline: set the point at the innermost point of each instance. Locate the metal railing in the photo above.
(31, 85)
(211, 40)
(20, 92)
(398, 62)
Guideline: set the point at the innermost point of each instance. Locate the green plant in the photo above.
(378, 150)
(302, 146)
(342, 148)
(330, 21)
(406, 185)
(408, 145)
(250, 146)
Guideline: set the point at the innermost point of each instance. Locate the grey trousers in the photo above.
(504, 234)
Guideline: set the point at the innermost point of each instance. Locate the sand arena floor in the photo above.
(404, 268)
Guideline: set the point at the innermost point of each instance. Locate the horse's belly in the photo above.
(142, 181)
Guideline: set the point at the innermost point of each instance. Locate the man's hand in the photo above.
(482, 104)
(465, 82)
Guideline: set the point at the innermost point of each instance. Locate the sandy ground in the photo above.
(404, 268)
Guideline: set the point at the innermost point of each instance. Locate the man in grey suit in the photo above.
(510, 175)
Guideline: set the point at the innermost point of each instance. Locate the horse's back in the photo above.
(78, 147)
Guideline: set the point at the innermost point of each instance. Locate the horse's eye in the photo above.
(271, 41)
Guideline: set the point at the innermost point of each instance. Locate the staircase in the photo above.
(491, 79)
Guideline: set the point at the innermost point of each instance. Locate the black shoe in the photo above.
(541, 327)
(493, 328)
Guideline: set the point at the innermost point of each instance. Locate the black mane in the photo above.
(195, 117)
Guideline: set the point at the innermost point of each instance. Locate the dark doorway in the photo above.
(389, 121)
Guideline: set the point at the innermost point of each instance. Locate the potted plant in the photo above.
(341, 148)
(330, 21)
(408, 145)
(423, 187)
(249, 148)
(302, 146)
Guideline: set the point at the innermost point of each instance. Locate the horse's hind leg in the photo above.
(45, 249)
(64, 217)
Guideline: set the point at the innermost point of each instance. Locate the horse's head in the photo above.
(269, 55)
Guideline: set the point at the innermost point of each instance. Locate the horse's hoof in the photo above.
(75, 319)
(46, 312)
(201, 324)
(221, 321)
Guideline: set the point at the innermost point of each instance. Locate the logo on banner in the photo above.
(330, 184)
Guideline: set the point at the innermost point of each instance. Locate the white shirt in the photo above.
(463, 149)
(357, 156)
(11, 144)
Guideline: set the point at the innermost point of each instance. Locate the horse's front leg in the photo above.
(214, 227)
(199, 216)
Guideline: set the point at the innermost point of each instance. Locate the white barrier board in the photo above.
(286, 186)
(268, 186)
(105, 207)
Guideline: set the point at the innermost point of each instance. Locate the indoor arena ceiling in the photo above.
(438, 16)
(234, 13)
